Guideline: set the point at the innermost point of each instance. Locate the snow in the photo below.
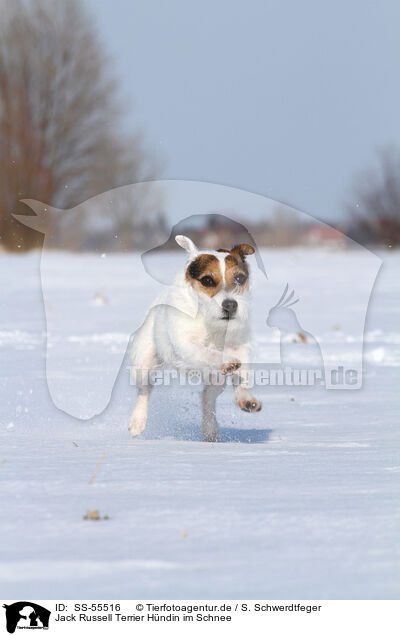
(298, 501)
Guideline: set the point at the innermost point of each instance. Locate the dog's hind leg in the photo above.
(144, 360)
(210, 430)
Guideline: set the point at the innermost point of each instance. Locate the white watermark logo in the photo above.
(95, 304)
(286, 376)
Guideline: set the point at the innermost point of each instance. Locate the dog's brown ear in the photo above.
(243, 250)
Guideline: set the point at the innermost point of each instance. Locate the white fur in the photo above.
(187, 244)
(183, 330)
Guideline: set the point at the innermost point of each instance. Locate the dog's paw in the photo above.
(136, 426)
(250, 405)
(230, 367)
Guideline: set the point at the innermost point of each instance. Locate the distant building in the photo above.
(322, 235)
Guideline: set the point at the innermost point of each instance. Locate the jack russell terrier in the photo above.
(201, 323)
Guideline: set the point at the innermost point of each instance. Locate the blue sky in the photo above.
(283, 98)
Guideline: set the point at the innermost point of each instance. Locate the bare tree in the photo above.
(374, 201)
(61, 137)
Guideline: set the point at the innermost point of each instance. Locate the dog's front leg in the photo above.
(210, 430)
(243, 395)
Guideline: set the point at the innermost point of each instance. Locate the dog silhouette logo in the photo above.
(26, 615)
(94, 308)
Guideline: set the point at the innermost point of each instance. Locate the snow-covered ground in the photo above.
(298, 501)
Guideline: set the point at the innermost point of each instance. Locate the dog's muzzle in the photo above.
(229, 308)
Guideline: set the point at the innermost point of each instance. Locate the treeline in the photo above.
(62, 136)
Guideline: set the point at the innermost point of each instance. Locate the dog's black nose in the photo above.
(229, 307)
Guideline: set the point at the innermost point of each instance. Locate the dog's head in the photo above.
(220, 279)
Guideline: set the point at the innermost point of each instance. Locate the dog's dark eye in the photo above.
(240, 279)
(207, 281)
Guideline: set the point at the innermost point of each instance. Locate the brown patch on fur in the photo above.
(232, 260)
(208, 265)
(202, 266)
(235, 269)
